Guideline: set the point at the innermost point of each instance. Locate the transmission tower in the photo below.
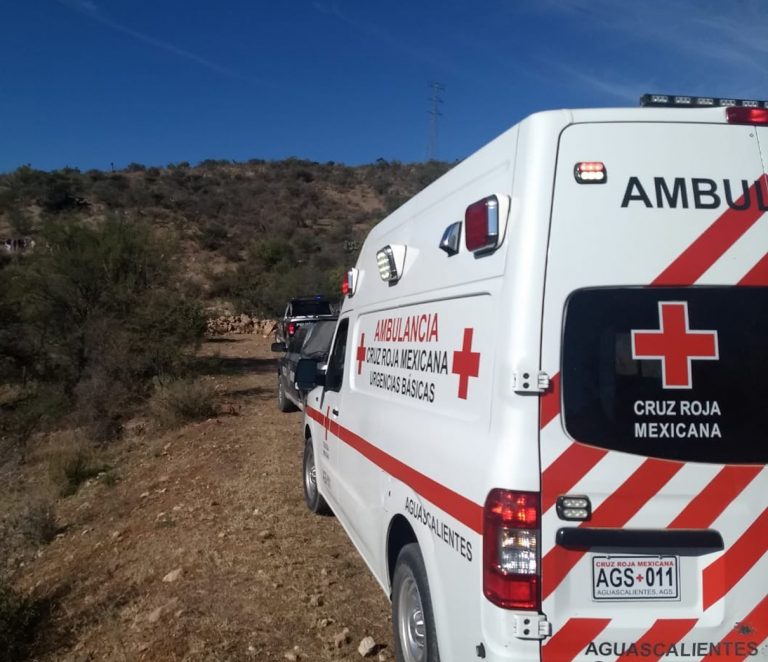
(434, 113)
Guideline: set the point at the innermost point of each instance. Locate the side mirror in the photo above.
(279, 347)
(308, 375)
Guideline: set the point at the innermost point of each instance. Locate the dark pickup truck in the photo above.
(309, 341)
(303, 311)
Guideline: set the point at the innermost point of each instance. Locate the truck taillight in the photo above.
(291, 328)
(511, 549)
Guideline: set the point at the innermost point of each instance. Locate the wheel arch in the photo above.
(399, 534)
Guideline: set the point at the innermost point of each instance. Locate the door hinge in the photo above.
(531, 626)
(530, 381)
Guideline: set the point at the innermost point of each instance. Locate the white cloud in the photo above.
(93, 11)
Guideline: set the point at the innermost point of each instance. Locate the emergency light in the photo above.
(390, 260)
(590, 172)
(668, 100)
(511, 549)
(349, 284)
(485, 222)
(745, 115)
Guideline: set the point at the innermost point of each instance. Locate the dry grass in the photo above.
(182, 401)
(71, 463)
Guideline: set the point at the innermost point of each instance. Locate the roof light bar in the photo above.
(670, 100)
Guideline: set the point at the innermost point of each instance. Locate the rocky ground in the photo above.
(203, 548)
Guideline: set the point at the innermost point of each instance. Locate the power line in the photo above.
(434, 113)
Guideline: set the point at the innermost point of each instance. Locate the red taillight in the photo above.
(743, 115)
(291, 328)
(481, 223)
(345, 286)
(511, 549)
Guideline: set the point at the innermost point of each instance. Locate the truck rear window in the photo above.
(675, 373)
(310, 308)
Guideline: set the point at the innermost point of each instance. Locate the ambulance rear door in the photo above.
(653, 438)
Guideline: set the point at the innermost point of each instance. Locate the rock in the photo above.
(173, 575)
(266, 535)
(316, 601)
(158, 613)
(155, 615)
(293, 655)
(367, 647)
(342, 638)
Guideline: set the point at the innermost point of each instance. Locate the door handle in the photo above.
(335, 412)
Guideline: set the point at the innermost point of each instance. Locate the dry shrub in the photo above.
(18, 618)
(182, 401)
(36, 523)
(71, 463)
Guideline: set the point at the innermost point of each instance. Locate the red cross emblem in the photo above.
(466, 363)
(361, 353)
(675, 345)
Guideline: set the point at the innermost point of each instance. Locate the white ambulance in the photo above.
(544, 419)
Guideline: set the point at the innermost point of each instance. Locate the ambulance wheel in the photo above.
(312, 496)
(283, 403)
(413, 622)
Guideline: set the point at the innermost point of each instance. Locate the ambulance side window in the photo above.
(334, 376)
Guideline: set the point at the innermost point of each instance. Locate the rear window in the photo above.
(309, 308)
(675, 373)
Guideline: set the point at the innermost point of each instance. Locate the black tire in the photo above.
(413, 621)
(283, 403)
(312, 496)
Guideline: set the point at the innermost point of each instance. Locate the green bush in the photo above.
(92, 316)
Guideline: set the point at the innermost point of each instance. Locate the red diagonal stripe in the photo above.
(721, 576)
(707, 505)
(712, 244)
(572, 638)
(567, 470)
(660, 636)
(464, 510)
(758, 275)
(549, 405)
(750, 632)
(615, 511)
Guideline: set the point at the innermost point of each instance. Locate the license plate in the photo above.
(635, 578)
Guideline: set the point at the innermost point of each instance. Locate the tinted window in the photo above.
(676, 373)
(318, 341)
(309, 308)
(334, 376)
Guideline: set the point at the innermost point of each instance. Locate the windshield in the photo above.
(676, 373)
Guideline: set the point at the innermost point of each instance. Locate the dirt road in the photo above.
(203, 549)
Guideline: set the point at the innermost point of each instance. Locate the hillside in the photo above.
(152, 503)
(252, 234)
(192, 544)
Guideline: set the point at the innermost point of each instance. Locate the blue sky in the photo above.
(88, 83)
